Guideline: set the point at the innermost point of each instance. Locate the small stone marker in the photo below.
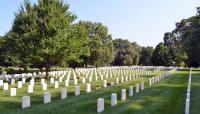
(42, 81)
(113, 99)
(23, 80)
(13, 92)
(75, 81)
(56, 85)
(105, 83)
(63, 93)
(83, 80)
(100, 105)
(88, 87)
(47, 97)
(51, 80)
(26, 102)
(77, 90)
(66, 83)
(60, 79)
(19, 84)
(150, 82)
(12, 81)
(44, 86)
(117, 80)
(142, 85)
(126, 78)
(130, 91)
(137, 89)
(123, 94)
(5, 86)
(30, 89)
(1, 82)
(32, 82)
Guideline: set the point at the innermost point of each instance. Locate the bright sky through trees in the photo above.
(143, 21)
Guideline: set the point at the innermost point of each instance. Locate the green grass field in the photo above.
(164, 97)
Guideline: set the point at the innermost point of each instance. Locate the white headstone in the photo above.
(88, 87)
(131, 91)
(32, 82)
(47, 97)
(126, 78)
(19, 84)
(63, 93)
(13, 91)
(100, 105)
(137, 89)
(117, 80)
(75, 81)
(83, 80)
(30, 89)
(44, 86)
(113, 99)
(51, 80)
(142, 85)
(1, 82)
(12, 81)
(150, 81)
(23, 80)
(56, 84)
(42, 81)
(105, 83)
(123, 94)
(60, 79)
(66, 83)
(26, 102)
(77, 90)
(5, 86)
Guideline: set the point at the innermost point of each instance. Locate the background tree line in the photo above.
(44, 34)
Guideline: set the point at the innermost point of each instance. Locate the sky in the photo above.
(141, 21)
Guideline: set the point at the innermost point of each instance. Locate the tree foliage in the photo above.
(146, 56)
(126, 53)
(100, 43)
(159, 57)
(42, 35)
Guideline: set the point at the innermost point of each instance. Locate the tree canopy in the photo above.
(126, 53)
(146, 56)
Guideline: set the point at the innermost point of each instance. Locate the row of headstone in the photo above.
(100, 101)
(187, 101)
(26, 100)
(62, 73)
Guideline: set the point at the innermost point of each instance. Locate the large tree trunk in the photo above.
(47, 68)
(25, 69)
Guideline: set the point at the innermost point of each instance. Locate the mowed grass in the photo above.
(195, 92)
(164, 97)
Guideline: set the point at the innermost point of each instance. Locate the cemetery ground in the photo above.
(164, 97)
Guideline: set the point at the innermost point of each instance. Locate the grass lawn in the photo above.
(164, 97)
(195, 93)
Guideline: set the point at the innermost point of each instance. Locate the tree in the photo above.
(159, 57)
(42, 34)
(100, 44)
(79, 43)
(146, 55)
(1, 50)
(187, 35)
(126, 53)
